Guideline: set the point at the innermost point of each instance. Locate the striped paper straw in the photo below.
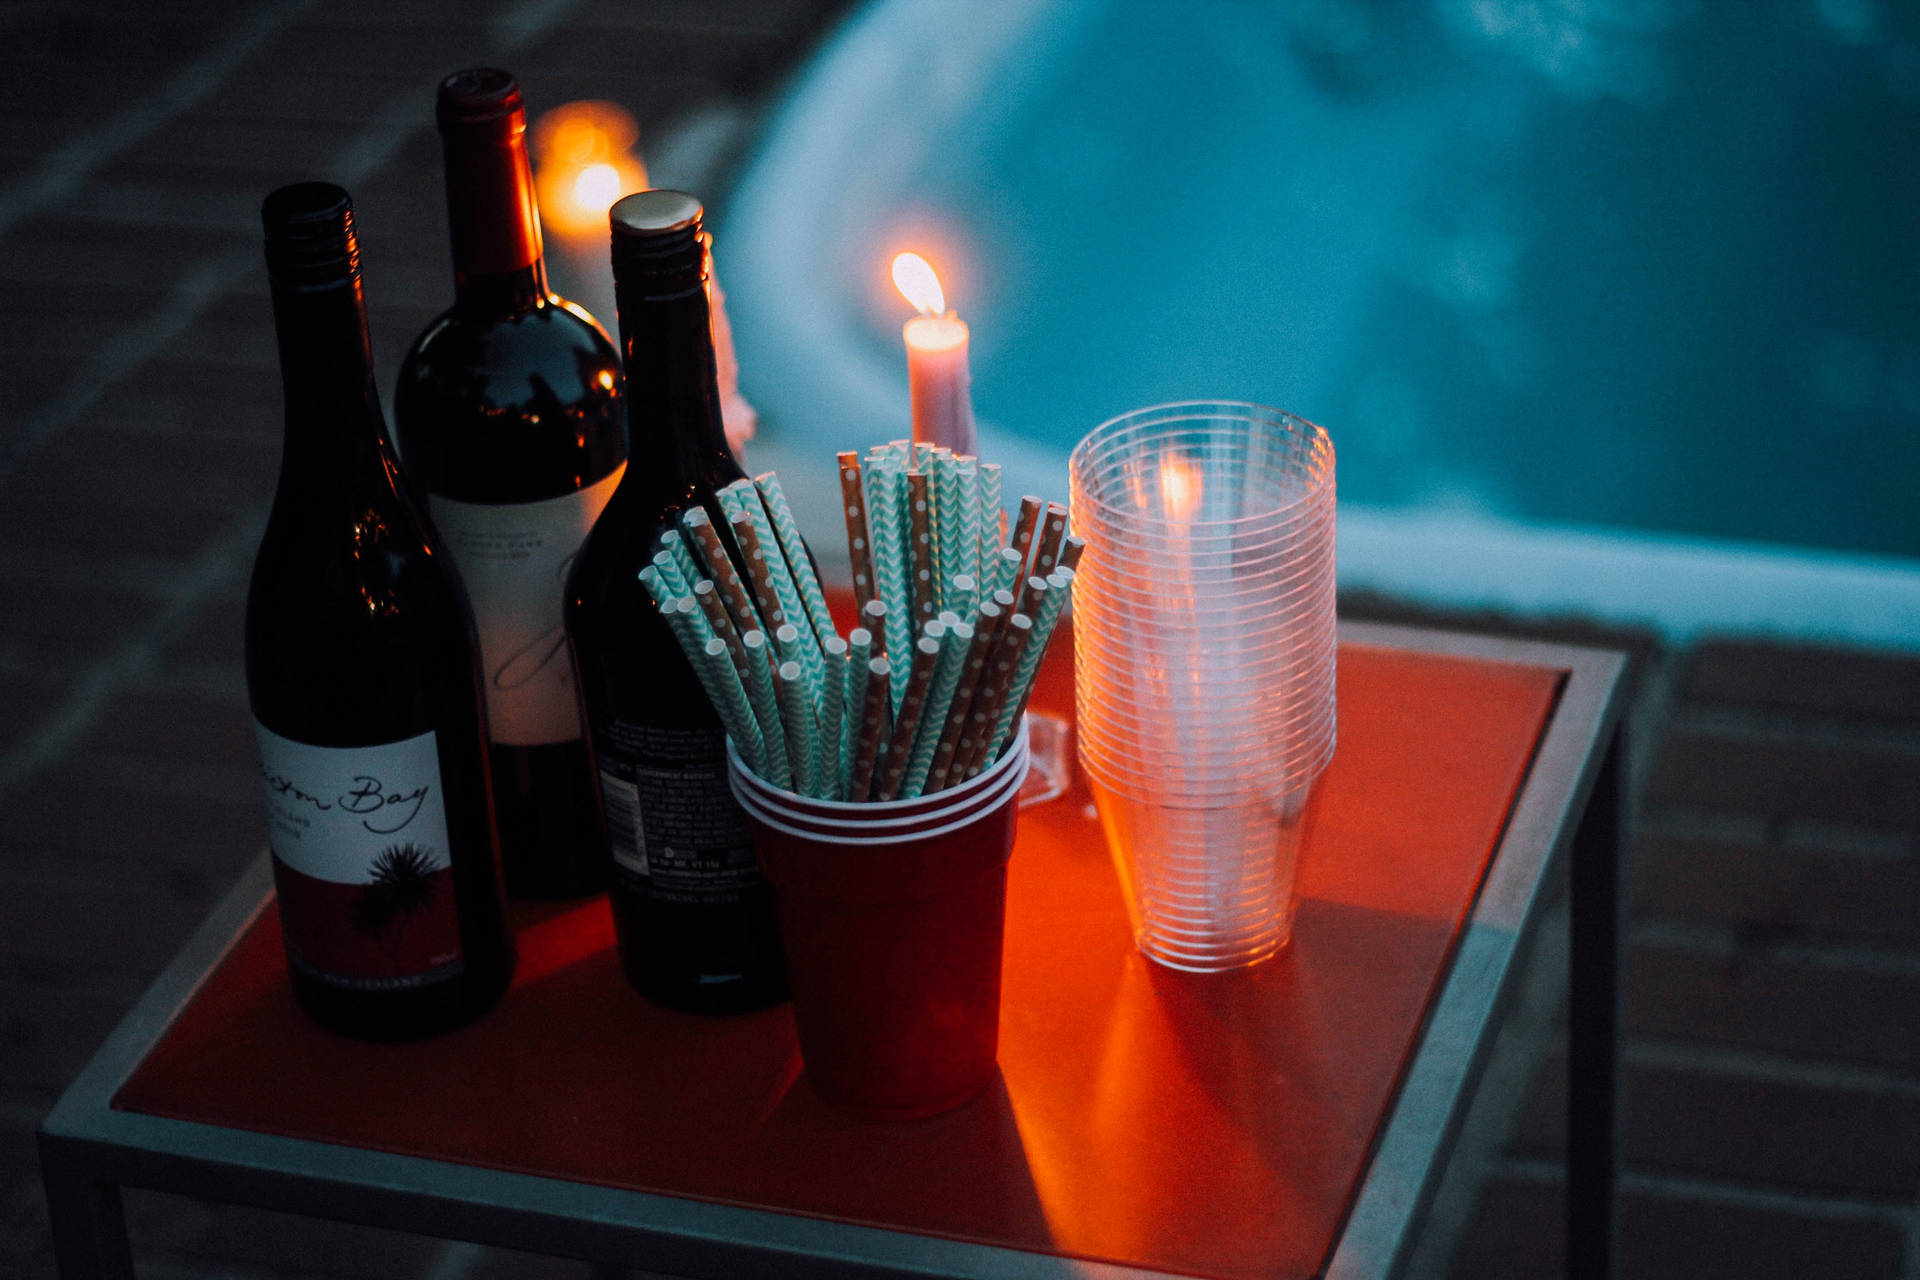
(803, 731)
(970, 674)
(669, 570)
(1005, 567)
(766, 709)
(876, 702)
(799, 563)
(833, 720)
(886, 529)
(993, 520)
(676, 546)
(963, 595)
(933, 717)
(721, 680)
(949, 556)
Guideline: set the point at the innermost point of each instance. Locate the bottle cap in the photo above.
(310, 237)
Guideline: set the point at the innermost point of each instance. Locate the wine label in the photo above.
(360, 860)
(672, 817)
(514, 559)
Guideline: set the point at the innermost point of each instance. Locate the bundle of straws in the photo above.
(927, 691)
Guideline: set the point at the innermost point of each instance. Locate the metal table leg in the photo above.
(89, 1226)
(1598, 878)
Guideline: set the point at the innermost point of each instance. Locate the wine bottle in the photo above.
(508, 415)
(692, 913)
(364, 678)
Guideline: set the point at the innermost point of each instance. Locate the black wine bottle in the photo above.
(364, 677)
(693, 915)
(508, 415)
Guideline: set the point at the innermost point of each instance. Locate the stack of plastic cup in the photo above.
(1204, 665)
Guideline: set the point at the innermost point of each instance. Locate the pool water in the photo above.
(1619, 265)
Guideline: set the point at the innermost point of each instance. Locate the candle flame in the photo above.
(917, 283)
(1179, 488)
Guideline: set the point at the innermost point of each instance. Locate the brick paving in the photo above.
(1773, 983)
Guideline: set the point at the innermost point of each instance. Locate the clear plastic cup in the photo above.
(1204, 665)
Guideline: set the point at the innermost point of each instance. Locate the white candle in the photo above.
(938, 375)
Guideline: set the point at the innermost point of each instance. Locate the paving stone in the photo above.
(1811, 1135)
(1519, 1231)
(1795, 1005)
(1778, 890)
(1851, 683)
(1703, 767)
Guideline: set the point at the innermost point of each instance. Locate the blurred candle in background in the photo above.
(584, 160)
(937, 369)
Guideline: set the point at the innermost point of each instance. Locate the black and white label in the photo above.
(514, 559)
(671, 813)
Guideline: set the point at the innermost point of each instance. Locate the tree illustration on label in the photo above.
(401, 889)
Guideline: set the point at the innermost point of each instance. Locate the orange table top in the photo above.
(1217, 1125)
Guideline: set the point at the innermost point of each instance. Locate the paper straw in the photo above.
(1046, 553)
(886, 529)
(926, 655)
(874, 615)
(675, 545)
(1071, 549)
(669, 570)
(707, 596)
(1004, 568)
(859, 654)
(933, 717)
(1024, 530)
(713, 553)
(920, 547)
(956, 523)
(833, 720)
(766, 709)
(993, 520)
(1031, 592)
(790, 642)
(971, 670)
(968, 555)
(985, 713)
(799, 562)
(876, 702)
(963, 596)
(1058, 584)
(759, 571)
(656, 586)
(853, 503)
(803, 732)
(688, 617)
(721, 680)
(781, 575)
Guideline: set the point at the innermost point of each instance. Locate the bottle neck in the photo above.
(498, 267)
(677, 440)
(333, 418)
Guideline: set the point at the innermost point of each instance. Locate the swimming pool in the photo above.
(1611, 307)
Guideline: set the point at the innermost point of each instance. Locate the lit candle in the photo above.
(937, 371)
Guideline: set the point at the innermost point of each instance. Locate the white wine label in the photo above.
(360, 859)
(514, 559)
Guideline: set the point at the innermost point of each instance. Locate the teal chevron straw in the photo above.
(668, 568)
(656, 586)
(1006, 569)
(933, 717)
(798, 561)
(949, 557)
(730, 505)
(803, 732)
(991, 516)
(694, 619)
(968, 539)
(964, 594)
(722, 683)
(675, 544)
(1059, 585)
(833, 720)
(886, 520)
(790, 643)
(766, 709)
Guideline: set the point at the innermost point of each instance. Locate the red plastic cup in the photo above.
(893, 933)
